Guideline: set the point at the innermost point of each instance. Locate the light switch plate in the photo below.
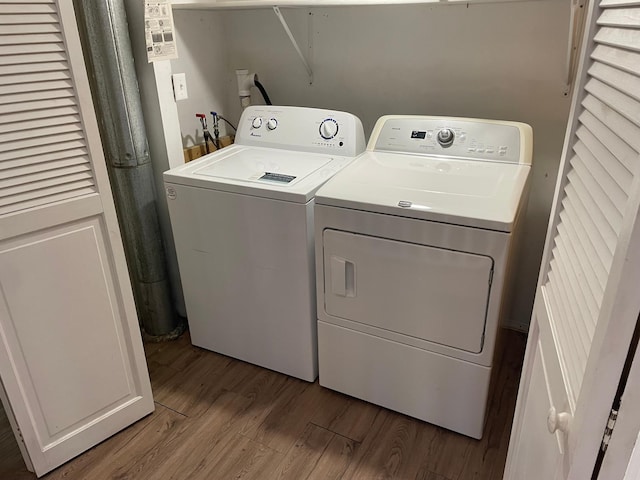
(179, 86)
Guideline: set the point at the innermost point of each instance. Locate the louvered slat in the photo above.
(19, 39)
(19, 19)
(30, 28)
(623, 128)
(31, 137)
(570, 360)
(36, 141)
(64, 168)
(7, 121)
(619, 37)
(43, 154)
(599, 179)
(31, 48)
(22, 59)
(38, 77)
(592, 209)
(579, 269)
(39, 105)
(620, 18)
(28, 162)
(624, 82)
(26, 2)
(42, 127)
(28, 190)
(42, 149)
(25, 69)
(619, 3)
(622, 172)
(10, 175)
(19, 98)
(566, 289)
(621, 59)
(589, 150)
(37, 86)
(620, 102)
(581, 216)
(24, 8)
(47, 198)
(590, 271)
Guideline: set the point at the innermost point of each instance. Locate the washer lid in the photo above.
(274, 167)
(470, 193)
(262, 172)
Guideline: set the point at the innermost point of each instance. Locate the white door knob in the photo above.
(558, 421)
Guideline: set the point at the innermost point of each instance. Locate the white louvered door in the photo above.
(71, 360)
(588, 299)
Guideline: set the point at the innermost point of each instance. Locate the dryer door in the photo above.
(425, 292)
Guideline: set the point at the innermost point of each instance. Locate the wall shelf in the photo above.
(240, 4)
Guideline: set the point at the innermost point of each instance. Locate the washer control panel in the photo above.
(450, 137)
(301, 128)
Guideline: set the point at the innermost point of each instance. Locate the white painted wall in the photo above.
(503, 61)
(202, 51)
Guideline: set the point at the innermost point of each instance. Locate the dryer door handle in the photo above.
(343, 277)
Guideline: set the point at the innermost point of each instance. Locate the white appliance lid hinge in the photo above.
(608, 431)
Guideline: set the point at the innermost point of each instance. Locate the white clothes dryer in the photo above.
(412, 256)
(242, 220)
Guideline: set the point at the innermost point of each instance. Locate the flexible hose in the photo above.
(263, 92)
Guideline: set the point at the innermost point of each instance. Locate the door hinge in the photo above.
(608, 431)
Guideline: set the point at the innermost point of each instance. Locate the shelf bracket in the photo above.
(278, 13)
(576, 29)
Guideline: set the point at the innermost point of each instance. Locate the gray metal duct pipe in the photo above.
(105, 38)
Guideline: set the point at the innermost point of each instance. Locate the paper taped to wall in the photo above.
(159, 31)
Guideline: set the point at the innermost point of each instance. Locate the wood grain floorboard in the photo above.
(11, 464)
(218, 418)
(244, 459)
(346, 416)
(195, 448)
(334, 461)
(305, 453)
(105, 460)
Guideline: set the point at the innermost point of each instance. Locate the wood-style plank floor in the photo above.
(220, 418)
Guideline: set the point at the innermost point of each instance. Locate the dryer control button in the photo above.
(404, 203)
(257, 122)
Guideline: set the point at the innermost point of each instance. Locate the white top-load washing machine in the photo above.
(242, 220)
(412, 249)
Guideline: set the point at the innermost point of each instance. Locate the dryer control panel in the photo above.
(466, 138)
(301, 129)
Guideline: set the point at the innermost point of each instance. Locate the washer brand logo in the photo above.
(255, 135)
(171, 193)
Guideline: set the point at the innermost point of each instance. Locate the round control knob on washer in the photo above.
(257, 122)
(328, 128)
(445, 137)
(272, 124)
